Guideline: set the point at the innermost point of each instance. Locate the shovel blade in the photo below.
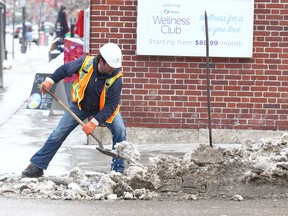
(106, 152)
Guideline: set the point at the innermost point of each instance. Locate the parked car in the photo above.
(17, 30)
(35, 34)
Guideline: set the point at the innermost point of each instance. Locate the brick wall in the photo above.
(170, 92)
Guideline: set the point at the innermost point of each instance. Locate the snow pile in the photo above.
(250, 171)
(127, 151)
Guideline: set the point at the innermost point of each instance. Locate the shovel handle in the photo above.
(73, 115)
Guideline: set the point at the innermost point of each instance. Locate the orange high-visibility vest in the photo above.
(81, 83)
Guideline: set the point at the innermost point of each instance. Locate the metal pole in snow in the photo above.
(208, 79)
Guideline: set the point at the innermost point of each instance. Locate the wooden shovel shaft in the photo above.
(73, 115)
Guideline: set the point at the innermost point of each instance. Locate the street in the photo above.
(23, 207)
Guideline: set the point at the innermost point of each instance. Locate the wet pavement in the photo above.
(23, 132)
(23, 207)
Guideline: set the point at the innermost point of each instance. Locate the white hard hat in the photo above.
(112, 54)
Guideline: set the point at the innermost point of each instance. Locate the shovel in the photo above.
(100, 148)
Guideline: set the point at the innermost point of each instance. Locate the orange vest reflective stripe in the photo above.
(108, 83)
(81, 83)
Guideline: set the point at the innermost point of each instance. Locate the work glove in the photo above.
(47, 83)
(90, 126)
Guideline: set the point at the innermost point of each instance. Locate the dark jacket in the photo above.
(92, 93)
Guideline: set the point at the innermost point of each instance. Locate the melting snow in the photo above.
(254, 171)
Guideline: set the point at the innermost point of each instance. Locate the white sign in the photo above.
(177, 27)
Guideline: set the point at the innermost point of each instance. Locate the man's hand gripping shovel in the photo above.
(100, 148)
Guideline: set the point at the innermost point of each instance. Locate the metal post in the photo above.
(23, 46)
(208, 79)
(40, 24)
(1, 46)
(4, 32)
(14, 8)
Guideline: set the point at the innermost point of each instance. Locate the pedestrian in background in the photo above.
(96, 93)
(29, 36)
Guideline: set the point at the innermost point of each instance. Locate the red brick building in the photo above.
(170, 92)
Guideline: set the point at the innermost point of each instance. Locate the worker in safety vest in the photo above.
(95, 93)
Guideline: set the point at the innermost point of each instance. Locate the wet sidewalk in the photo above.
(23, 132)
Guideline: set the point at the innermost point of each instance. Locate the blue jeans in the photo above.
(67, 124)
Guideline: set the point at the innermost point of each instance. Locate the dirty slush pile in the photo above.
(250, 171)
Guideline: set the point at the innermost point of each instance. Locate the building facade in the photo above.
(248, 95)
